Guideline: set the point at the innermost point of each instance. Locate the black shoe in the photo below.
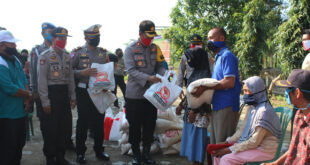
(102, 156)
(64, 162)
(81, 159)
(50, 161)
(146, 158)
(136, 160)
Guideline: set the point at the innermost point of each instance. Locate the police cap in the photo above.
(148, 28)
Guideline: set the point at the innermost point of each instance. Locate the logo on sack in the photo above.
(102, 77)
(164, 93)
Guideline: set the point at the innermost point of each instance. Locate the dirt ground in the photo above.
(33, 155)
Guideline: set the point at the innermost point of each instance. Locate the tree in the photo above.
(260, 21)
(199, 16)
(289, 36)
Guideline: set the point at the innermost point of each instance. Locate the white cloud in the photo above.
(119, 19)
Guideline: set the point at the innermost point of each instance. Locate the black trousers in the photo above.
(12, 140)
(57, 126)
(141, 114)
(119, 81)
(88, 117)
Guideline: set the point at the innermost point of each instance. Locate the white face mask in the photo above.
(306, 45)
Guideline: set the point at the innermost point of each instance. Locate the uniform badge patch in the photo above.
(42, 62)
(56, 74)
(137, 50)
(100, 55)
(85, 65)
(53, 58)
(140, 63)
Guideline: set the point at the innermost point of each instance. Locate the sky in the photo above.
(120, 19)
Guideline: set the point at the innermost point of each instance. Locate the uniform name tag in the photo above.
(82, 85)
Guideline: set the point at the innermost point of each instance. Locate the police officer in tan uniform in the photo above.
(88, 115)
(47, 29)
(142, 60)
(56, 91)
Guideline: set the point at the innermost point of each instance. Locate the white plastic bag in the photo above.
(206, 96)
(112, 126)
(104, 78)
(102, 100)
(163, 94)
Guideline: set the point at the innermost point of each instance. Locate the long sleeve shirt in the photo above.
(261, 139)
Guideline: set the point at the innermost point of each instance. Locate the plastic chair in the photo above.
(285, 118)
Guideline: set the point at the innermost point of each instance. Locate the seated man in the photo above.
(298, 94)
(257, 139)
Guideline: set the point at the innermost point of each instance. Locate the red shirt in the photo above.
(299, 151)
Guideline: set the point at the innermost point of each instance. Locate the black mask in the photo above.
(24, 58)
(211, 46)
(120, 55)
(11, 51)
(94, 42)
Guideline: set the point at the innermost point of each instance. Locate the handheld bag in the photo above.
(104, 78)
(163, 94)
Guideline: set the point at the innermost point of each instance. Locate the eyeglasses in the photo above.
(289, 90)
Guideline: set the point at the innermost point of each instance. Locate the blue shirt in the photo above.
(226, 65)
(12, 78)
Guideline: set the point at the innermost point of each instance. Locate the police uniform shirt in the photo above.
(54, 69)
(141, 62)
(35, 53)
(83, 58)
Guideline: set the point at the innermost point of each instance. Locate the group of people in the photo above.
(59, 82)
(55, 81)
(258, 137)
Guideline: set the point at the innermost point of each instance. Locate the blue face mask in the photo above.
(214, 46)
(48, 37)
(250, 99)
(288, 99)
(287, 96)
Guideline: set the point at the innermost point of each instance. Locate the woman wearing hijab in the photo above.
(258, 137)
(195, 134)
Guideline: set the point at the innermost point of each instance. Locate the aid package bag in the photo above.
(163, 94)
(104, 78)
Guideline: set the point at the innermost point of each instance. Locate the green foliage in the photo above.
(260, 21)
(250, 25)
(289, 35)
(199, 16)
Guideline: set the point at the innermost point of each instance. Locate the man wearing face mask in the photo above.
(56, 89)
(88, 115)
(13, 96)
(306, 45)
(119, 74)
(35, 53)
(297, 94)
(226, 99)
(142, 60)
